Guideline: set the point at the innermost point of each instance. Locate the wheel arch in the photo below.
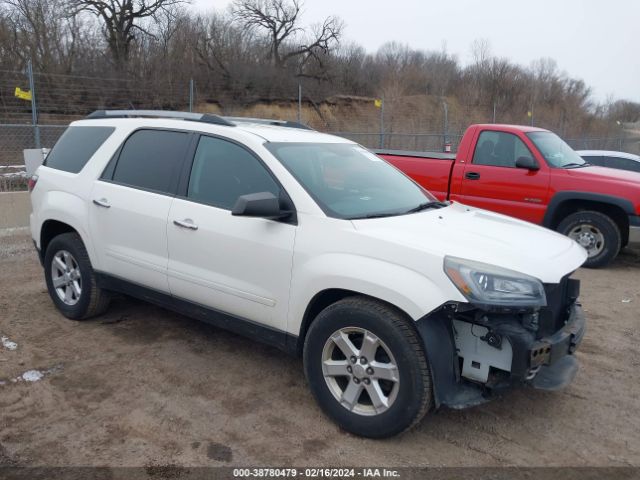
(566, 203)
(52, 227)
(327, 297)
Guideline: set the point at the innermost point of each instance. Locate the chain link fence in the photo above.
(16, 138)
(395, 122)
(621, 144)
(417, 142)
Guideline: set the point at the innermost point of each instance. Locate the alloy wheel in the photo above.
(66, 277)
(360, 371)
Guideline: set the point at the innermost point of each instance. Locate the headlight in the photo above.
(486, 284)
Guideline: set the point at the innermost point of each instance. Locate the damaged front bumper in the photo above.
(474, 354)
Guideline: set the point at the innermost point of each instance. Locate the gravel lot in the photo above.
(142, 386)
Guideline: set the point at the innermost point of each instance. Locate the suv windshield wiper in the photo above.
(374, 215)
(419, 208)
(427, 206)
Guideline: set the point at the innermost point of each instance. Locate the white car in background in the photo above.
(606, 158)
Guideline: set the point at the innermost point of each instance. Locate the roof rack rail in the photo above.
(268, 121)
(194, 117)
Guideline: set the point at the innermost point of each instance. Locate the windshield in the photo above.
(348, 181)
(555, 151)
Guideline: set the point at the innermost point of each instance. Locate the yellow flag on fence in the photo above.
(529, 114)
(23, 94)
(377, 102)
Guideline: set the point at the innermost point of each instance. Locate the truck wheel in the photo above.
(367, 368)
(597, 233)
(70, 279)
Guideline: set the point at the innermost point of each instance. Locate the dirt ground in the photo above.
(143, 386)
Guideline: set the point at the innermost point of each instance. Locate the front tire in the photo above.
(367, 368)
(597, 233)
(71, 281)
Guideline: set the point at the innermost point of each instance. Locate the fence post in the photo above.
(191, 95)
(446, 125)
(494, 112)
(299, 102)
(382, 122)
(531, 114)
(34, 108)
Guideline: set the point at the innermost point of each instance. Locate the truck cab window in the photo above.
(499, 149)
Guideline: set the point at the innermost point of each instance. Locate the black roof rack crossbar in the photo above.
(194, 117)
(267, 121)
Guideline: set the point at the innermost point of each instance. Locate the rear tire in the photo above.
(394, 369)
(597, 233)
(71, 280)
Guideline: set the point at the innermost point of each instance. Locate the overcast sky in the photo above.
(596, 40)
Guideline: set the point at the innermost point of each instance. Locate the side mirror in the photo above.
(528, 163)
(263, 205)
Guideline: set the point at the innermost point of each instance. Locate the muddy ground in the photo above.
(142, 386)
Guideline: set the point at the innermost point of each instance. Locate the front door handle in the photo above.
(472, 176)
(102, 203)
(186, 223)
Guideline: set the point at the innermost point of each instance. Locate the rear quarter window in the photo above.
(76, 146)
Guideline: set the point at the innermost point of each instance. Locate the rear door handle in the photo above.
(186, 223)
(102, 203)
(472, 176)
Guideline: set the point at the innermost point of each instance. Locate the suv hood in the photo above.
(483, 236)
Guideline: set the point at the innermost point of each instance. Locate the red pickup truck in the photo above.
(532, 174)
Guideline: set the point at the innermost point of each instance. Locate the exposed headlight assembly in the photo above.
(485, 284)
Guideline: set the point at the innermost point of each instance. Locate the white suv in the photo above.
(397, 302)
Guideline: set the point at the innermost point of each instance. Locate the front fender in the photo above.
(406, 289)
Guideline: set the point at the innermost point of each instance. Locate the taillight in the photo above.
(32, 182)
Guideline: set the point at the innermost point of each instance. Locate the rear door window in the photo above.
(76, 146)
(151, 160)
(622, 163)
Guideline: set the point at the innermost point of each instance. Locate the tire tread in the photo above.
(606, 259)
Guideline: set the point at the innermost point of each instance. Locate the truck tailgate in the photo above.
(431, 170)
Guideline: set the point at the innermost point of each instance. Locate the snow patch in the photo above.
(8, 344)
(32, 375)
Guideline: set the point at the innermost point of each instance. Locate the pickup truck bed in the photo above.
(430, 169)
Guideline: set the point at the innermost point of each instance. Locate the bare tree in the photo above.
(42, 34)
(122, 21)
(280, 21)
